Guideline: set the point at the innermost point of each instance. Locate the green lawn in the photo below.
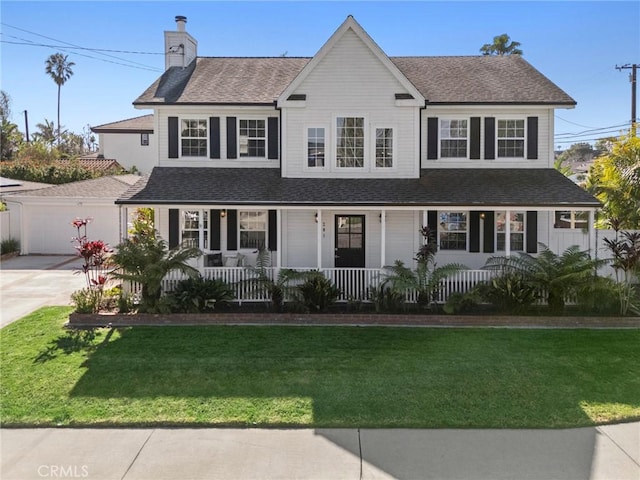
(317, 376)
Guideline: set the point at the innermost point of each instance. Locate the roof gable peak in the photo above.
(350, 24)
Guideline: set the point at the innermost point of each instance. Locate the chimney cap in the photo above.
(181, 18)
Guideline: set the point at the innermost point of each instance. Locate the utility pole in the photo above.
(26, 125)
(633, 68)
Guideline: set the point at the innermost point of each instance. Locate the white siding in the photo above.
(402, 239)
(299, 239)
(545, 135)
(127, 150)
(351, 81)
(204, 112)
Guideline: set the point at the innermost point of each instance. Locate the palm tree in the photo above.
(501, 46)
(147, 261)
(46, 133)
(58, 67)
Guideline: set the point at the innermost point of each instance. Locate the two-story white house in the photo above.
(335, 162)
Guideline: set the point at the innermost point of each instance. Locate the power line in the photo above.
(592, 131)
(26, 42)
(77, 46)
(573, 123)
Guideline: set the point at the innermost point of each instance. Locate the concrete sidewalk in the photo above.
(33, 281)
(607, 452)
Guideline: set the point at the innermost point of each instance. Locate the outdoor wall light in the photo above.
(223, 213)
(316, 217)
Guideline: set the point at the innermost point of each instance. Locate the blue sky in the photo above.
(576, 44)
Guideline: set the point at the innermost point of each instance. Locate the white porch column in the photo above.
(425, 219)
(124, 216)
(279, 238)
(593, 241)
(319, 237)
(383, 238)
(507, 233)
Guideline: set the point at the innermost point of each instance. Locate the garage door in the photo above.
(48, 229)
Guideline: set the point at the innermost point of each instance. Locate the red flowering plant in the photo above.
(95, 255)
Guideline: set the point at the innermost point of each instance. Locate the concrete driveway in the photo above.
(33, 281)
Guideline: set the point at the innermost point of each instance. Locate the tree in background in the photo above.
(10, 136)
(501, 46)
(58, 67)
(614, 179)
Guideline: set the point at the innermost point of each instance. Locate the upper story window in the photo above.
(144, 139)
(575, 219)
(452, 230)
(252, 138)
(194, 228)
(315, 147)
(384, 147)
(350, 142)
(516, 227)
(193, 138)
(511, 138)
(252, 227)
(453, 138)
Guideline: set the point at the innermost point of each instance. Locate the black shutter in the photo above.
(273, 230)
(532, 138)
(214, 137)
(173, 137)
(489, 230)
(474, 231)
(432, 138)
(489, 138)
(214, 230)
(232, 229)
(432, 220)
(232, 135)
(532, 231)
(474, 150)
(174, 227)
(273, 138)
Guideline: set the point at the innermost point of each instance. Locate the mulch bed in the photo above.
(348, 319)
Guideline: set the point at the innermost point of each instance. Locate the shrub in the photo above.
(509, 293)
(87, 300)
(386, 299)
(9, 245)
(318, 293)
(601, 296)
(195, 295)
(462, 302)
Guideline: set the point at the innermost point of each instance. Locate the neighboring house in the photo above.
(131, 142)
(94, 161)
(9, 223)
(336, 161)
(41, 219)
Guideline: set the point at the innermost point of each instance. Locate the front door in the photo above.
(349, 241)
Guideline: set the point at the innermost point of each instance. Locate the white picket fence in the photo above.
(355, 284)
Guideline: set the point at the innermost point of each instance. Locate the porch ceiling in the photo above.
(435, 187)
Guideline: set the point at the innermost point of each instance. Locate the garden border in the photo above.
(88, 320)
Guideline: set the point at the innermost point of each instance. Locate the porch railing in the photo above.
(355, 284)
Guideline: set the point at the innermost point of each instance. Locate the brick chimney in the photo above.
(180, 48)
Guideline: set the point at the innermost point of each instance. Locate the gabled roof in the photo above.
(143, 124)
(544, 187)
(440, 80)
(102, 188)
(350, 24)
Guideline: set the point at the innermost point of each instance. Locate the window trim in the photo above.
(265, 119)
(441, 230)
(327, 148)
(394, 148)
(572, 221)
(524, 137)
(523, 232)
(206, 137)
(266, 229)
(441, 138)
(365, 146)
(203, 243)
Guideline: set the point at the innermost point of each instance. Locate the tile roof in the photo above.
(449, 80)
(103, 187)
(93, 163)
(435, 187)
(143, 124)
